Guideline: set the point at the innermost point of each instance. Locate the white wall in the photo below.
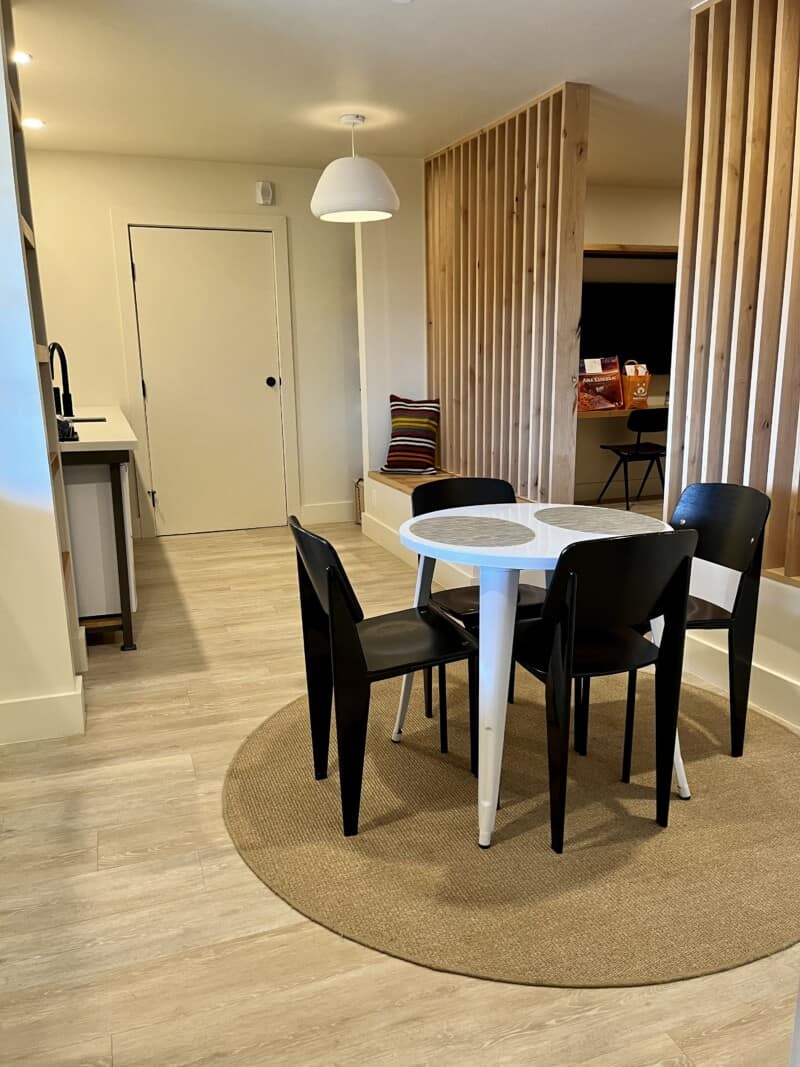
(632, 216)
(73, 196)
(390, 269)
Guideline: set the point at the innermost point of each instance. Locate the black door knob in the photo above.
(272, 382)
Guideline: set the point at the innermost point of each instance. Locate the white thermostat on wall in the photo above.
(265, 193)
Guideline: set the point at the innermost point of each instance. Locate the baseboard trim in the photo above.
(775, 694)
(333, 511)
(41, 717)
(447, 574)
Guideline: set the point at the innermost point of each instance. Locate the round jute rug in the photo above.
(626, 904)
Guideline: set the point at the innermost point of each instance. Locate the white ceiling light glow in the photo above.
(21, 58)
(34, 124)
(353, 188)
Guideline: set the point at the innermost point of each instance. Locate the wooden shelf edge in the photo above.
(642, 251)
(101, 622)
(27, 232)
(407, 483)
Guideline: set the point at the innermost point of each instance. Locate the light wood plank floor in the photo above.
(133, 934)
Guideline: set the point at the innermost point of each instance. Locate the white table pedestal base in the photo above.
(499, 590)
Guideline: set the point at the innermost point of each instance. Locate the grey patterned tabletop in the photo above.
(471, 530)
(598, 520)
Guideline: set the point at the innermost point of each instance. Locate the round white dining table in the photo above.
(517, 537)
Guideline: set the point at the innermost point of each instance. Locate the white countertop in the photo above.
(113, 435)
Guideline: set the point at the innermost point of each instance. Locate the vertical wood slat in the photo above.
(773, 257)
(539, 268)
(743, 418)
(780, 548)
(706, 249)
(727, 240)
(750, 234)
(517, 299)
(548, 341)
(574, 151)
(526, 311)
(504, 215)
(687, 248)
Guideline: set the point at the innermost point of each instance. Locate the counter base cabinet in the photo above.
(94, 551)
(100, 527)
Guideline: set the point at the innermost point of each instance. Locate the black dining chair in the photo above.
(463, 602)
(345, 653)
(589, 629)
(730, 521)
(641, 420)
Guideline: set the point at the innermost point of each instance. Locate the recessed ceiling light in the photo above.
(33, 124)
(21, 58)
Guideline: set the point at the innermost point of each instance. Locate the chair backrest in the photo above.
(460, 493)
(619, 581)
(318, 557)
(729, 520)
(648, 420)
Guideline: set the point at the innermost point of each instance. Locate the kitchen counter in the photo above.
(113, 435)
(98, 506)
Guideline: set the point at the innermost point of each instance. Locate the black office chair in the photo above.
(463, 603)
(642, 420)
(345, 653)
(588, 630)
(730, 521)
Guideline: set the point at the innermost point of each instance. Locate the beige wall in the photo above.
(632, 216)
(73, 196)
(390, 259)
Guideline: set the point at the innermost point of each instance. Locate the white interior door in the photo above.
(208, 339)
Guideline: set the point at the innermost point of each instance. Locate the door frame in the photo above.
(122, 219)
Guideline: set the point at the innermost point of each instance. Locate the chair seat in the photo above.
(463, 603)
(596, 652)
(406, 641)
(706, 616)
(632, 451)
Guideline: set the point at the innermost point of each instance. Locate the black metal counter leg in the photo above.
(123, 569)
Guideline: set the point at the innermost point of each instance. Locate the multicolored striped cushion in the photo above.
(415, 427)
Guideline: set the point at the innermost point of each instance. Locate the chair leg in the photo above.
(352, 713)
(627, 489)
(472, 667)
(630, 712)
(319, 685)
(650, 466)
(611, 478)
(581, 728)
(740, 663)
(557, 761)
(427, 675)
(667, 700)
(442, 708)
(512, 678)
(660, 470)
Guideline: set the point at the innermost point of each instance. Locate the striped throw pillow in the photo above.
(415, 427)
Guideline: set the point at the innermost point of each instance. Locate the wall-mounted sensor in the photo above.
(265, 193)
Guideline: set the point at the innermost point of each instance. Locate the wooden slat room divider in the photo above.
(504, 229)
(735, 388)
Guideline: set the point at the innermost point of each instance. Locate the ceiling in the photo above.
(265, 80)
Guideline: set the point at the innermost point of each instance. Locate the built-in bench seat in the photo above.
(407, 483)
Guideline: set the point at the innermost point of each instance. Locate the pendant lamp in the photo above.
(354, 189)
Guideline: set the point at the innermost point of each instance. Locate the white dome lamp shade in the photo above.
(354, 189)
